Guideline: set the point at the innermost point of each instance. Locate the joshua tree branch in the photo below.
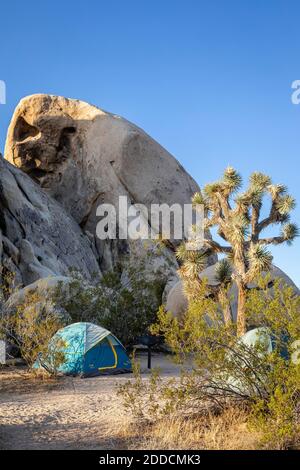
(216, 247)
(254, 222)
(224, 203)
(210, 222)
(272, 241)
(222, 234)
(271, 219)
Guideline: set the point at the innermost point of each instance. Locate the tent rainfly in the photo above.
(87, 349)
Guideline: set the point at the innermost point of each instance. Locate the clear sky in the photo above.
(210, 80)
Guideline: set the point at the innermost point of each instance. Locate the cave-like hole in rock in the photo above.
(37, 173)
(69, 130)
(64, 141)
(24, 130)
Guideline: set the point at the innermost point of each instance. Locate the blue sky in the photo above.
(210, 80)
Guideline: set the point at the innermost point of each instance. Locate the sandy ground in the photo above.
(77, 414)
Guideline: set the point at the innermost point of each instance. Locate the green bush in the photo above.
(127, 310)
(30, 326)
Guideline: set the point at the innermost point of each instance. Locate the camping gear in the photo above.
(264, 337)
(265, 342)
(295, 356)
(258, 336)
(88, 350)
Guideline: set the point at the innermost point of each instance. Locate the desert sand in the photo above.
(74, 413)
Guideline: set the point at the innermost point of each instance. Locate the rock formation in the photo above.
(177, 303)
(37, 237)
(72, 157)
(83, 156)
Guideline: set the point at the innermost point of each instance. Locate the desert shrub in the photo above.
(227, 372)
(30, 326)
(140, 397)
(8, 284)
(278, 416)
(127, 309)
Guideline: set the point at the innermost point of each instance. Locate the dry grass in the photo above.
(228, 430)
(20, 380)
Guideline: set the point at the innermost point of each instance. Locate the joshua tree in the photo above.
(239, 222)
(224, 277)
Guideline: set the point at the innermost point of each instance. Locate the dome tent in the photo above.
(264, 338)
(259, 337)
(88, 350)
(265, 343)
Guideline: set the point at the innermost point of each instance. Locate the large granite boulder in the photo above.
(177, 302)
(44, 288)
(84, 156)
(37, 237)
(42, 295)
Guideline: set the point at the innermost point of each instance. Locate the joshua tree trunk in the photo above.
(226, 307)
(241, 310)
(227, 313)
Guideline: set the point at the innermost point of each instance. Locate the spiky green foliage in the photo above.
(259, 181)
(238, 228)
(211, 189)
(223, 275)
(198, 199)
(285, 204)
(232, 179)
(223, 272)
(260, 259)
(289, 233)
(277, 190)
(192, 261)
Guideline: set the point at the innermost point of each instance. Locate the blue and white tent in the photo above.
(263, 337)
(88, 350)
